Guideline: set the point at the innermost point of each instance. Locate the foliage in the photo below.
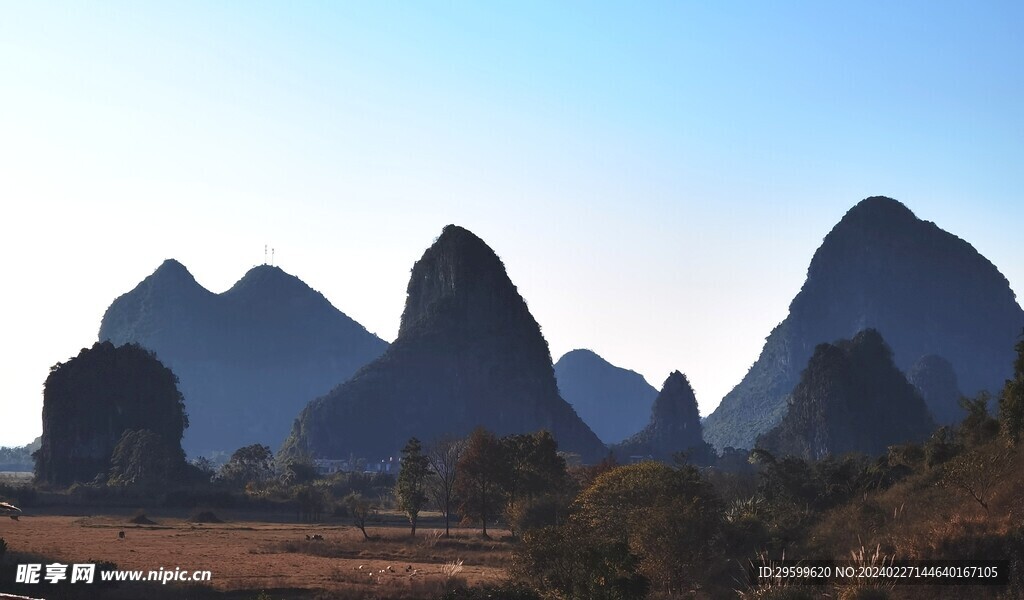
(143, 458)
(298, 470)
(90, 401)
(478, 483)
(411, 488)
(203, 468)
(941, 447)
(1011, 401)
(534, 478)
(572, 562)
(250, 464)
(977, 427)
(670, 518)
(310, 501)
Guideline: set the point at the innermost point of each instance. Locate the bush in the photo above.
(204, 516)
(140, 518)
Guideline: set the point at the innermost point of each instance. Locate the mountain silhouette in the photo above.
(674, 426)
(247, 359)
(850, 398)
(924, 289)
(468, 354)
(614, 402)
(935, 380)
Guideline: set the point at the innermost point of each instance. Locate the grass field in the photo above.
(259, 556)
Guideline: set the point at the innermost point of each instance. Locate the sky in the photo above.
(655, 176)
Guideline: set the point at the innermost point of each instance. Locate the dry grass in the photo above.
(246, 555)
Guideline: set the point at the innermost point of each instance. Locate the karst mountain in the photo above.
(468, 354)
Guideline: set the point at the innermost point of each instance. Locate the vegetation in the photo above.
(478, 484)
(444, 458)
(411, 490)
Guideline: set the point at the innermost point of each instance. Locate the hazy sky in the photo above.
(655, 176)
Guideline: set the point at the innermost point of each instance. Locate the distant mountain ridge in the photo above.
(615, 402)
(248, 359)
(468, 354)
(925, 290)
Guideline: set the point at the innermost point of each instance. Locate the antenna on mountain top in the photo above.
(271, 257)
(264, 254)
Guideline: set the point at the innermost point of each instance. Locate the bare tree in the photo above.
(978, 472)
(444, 457)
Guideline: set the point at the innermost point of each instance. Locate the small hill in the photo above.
(614, 402)
(851, 398)
(926, 290)
(468, 354)
(92, 400)
(248, 359)
(674, 426)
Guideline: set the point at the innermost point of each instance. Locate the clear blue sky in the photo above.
(656, 176)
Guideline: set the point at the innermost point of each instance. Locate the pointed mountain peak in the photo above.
(458, 270)
(674, 426)
(171, 277)
(676, 400)
(172, 270)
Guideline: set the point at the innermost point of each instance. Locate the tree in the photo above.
(533, 471)
(669, 518)
(144, 458)
(479, 477)
(249, 464)
(978, 472)
(1011, 401)
(977, 427)
(411, 488)
(569, 561)
(360, 510)
(310, 501)
(444, 458)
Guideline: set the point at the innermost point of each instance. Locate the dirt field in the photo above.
(244, 555)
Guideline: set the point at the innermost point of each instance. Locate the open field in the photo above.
(251, 555)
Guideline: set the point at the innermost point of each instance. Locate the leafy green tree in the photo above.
(249, 464)
(480, 472)
(1011, 401)
(534, 479)
(669, 518)
(411, 487)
